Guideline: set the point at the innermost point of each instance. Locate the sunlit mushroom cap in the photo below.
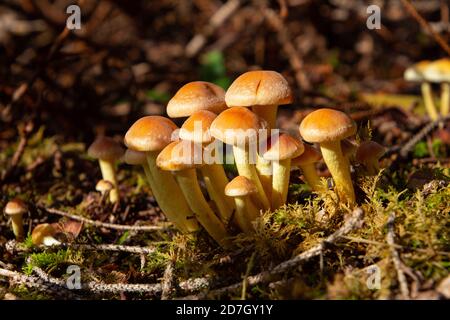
(282, 147)
(260, 87)
(439, 71)
(417, 71)
(310, 155)
(43, 234)
(106, 148)
(180, 155)
(239, 187)
(196, 127)
(134, 157)
(195, 96)
(104, 186)
(326, 125)
(15, 206)
(237, 125)
(150, 133)
(369, 150)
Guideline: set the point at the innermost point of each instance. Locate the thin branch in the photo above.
(104, 224)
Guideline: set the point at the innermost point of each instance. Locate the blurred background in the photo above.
(129, 57)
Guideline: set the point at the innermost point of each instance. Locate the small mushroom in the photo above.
(15, 209)
(417, 73)
(104, 187)
(182, 157)
(240, 189)
(368, 154)
(151, 134)
(196, 130)
(281, 150)
(240, 127)
(328, 127)
(44, 234)
(263, 91)
(439, 72)
(306, 162)
(107, 151)
(196, 96)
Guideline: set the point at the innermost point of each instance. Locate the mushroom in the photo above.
(104, 187)
(240, 188)
(281, 150)
(196, 129)
(263, 91)
(328, 127)
(439, 72)
(368, 154)
(151, 134)
(195, 96)
(15, 209)
(306, 162)
(239, 127)
(182, 157)
(417, 73)
(44, 234)
(107, 151)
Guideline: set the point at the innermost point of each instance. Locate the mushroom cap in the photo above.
(237, 125)
(103, 186)
(41, 231)
(135, 157)
(348, 148)
(417, 71)
(259, 88)
(15, 206)
(180, 155)
(105, 148)
(195, 96)
(240, 186)
(439, 70)
(150, 133)
(369, 150)
(282, 147)
(196, 127)
(326, 125)
(310, 155)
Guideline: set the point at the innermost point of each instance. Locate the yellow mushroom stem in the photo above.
(246, 213)
(216, 181)
(17, 226)
(428, 100)
(168, 195)
(340, 170)
(445, 99)
(241, 156)
(264, 167)
(187, 180)
(280, 182)
(311, 176)
(109, 174)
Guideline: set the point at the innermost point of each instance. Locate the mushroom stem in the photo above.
(268, 113)
(109, 174)
(445, 98)
(241, 156)
(216, 181)
(311, 176)
(280, 183)
(17, 226)
(428, 100)
(246, 212)
(166, 192)
(339, 169)
(187, 180)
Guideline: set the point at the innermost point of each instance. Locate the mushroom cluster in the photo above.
(185, 168)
